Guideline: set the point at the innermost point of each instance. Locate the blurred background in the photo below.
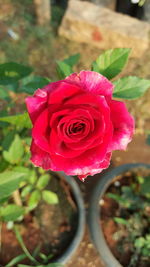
(33, 32)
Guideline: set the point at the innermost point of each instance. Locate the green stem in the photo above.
(21, 242)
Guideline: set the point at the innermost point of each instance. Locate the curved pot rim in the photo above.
(96, 232)
(71, 249)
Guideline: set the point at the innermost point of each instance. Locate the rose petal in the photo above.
(64, 130)
(39, 101)
(64, 91)
(36, 104)
(39, 131)
(99, 109)
(84, 163)
(102, 165)
(58, 147)
(92, 82)
(123, 124)
(39, 157)
(65, 117)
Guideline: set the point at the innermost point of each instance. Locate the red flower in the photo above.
(76, 124)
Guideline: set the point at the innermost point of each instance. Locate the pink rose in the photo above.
(77, 125)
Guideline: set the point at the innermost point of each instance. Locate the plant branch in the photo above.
(17, 198)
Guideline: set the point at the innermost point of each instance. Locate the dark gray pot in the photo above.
(96, 232)
(81, 219)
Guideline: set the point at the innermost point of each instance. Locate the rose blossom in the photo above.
(77, 125)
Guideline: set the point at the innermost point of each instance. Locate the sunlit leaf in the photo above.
(43, 181)
(9, 182)
(111, 62)
(19, 120)
(130, 87)
(34, 199)
(72, 60)
(11, 212)
(16, 260)
(120, 221)
(63, 69)
(15, 152)
(34, 84)
(50, 197)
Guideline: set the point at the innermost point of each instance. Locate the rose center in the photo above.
(76, 128)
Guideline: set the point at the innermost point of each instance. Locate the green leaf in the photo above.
(43, 181)
(34, 199)
(11, 72)
(32, 177)
(148, 239)
(127, 192)
(3, 164)
(140, 179)
(3, 200)
(130, 87)
(139, 242)
(26, 190)
(125, 200)
(7, 140)
(145, 187)
(50, 197)
(43, 256)
(120, 221)
(16, 260)
(119, 199)
(72, 60)
(37, 82)
(11, 212)
(3, 113)
(111, 62)
(19, 120)
(3, 93)
(21, 242)
(141, 2)
(27, 140)
(9, 182)
(13, 87)
(15, 152)
(63, 69)
(22, 169)
(145, 252)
